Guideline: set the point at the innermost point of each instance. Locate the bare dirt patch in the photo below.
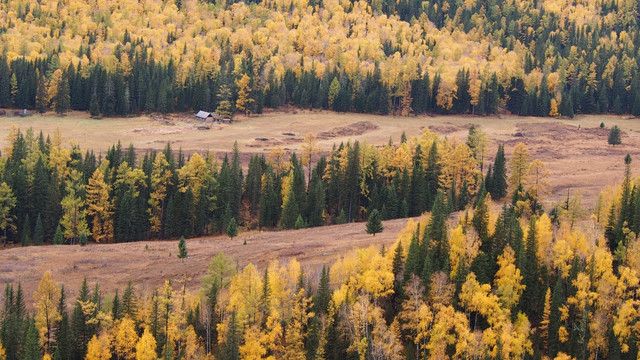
(448, 128)
(354, 129)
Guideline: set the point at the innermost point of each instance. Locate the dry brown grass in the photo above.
(575, 151)
(579, 159)
(147, 264)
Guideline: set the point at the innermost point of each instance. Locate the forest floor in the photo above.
(575, 150)
(148, 263)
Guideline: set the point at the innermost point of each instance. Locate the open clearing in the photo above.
(148, 263)
(575, 150)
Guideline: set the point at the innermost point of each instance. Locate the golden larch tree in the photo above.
(99, 348)
(100, 206)
(74, 219)
(193, 174)
(508, 279)
(244, 91)
(125, 339)
(160, 180)
(146, 347)
(414, 312)
(519, 166)
(295, 334)
(46, 298)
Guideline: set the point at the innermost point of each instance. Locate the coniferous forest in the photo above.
(56, 192)
(520, 281)
(114, 58)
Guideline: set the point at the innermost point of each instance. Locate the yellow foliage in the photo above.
(563, 356)
(100, 207)
(253, 348)
(508, 279)
(277, 160)
(125, 339)
(544, 238)
(463, 247)
(146, 346)
(160, 180)
(365, 271)
(244, 290)
(243, 101)
(99, 348)
(518, 166)
(46, 299)
(191, 175)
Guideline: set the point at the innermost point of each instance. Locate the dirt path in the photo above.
(149, 263)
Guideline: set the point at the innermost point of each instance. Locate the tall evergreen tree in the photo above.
(499, 180)
(32, 343)
(437, 234)
(374, 223)
(182, 248)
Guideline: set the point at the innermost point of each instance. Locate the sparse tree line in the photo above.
(54, 193)
(513, 284)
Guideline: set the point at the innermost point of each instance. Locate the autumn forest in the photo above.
(470, 279)
(537, 58)
(487, 266)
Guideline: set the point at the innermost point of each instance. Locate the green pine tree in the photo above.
(57, 238)
(499, 180)
(26, 231)
(83, 239)
(116, 309)
(614, 136)
(299, 223)
(398, 261)
(557, 299)
(437, 234)
(413, 264)
(232, 228)
(182, 248)
(41, 96)
(231, 346)
(323, 295)
(38, 232)
(31, 349)
(290, 212)
(62, 98)
(617, 106)
(315, 202)
(342, 217)
(374, 223)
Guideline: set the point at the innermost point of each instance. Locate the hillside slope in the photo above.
(149, 263)
(531, 57)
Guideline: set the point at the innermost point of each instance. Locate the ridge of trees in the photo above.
(123, 57)
(74, 195)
